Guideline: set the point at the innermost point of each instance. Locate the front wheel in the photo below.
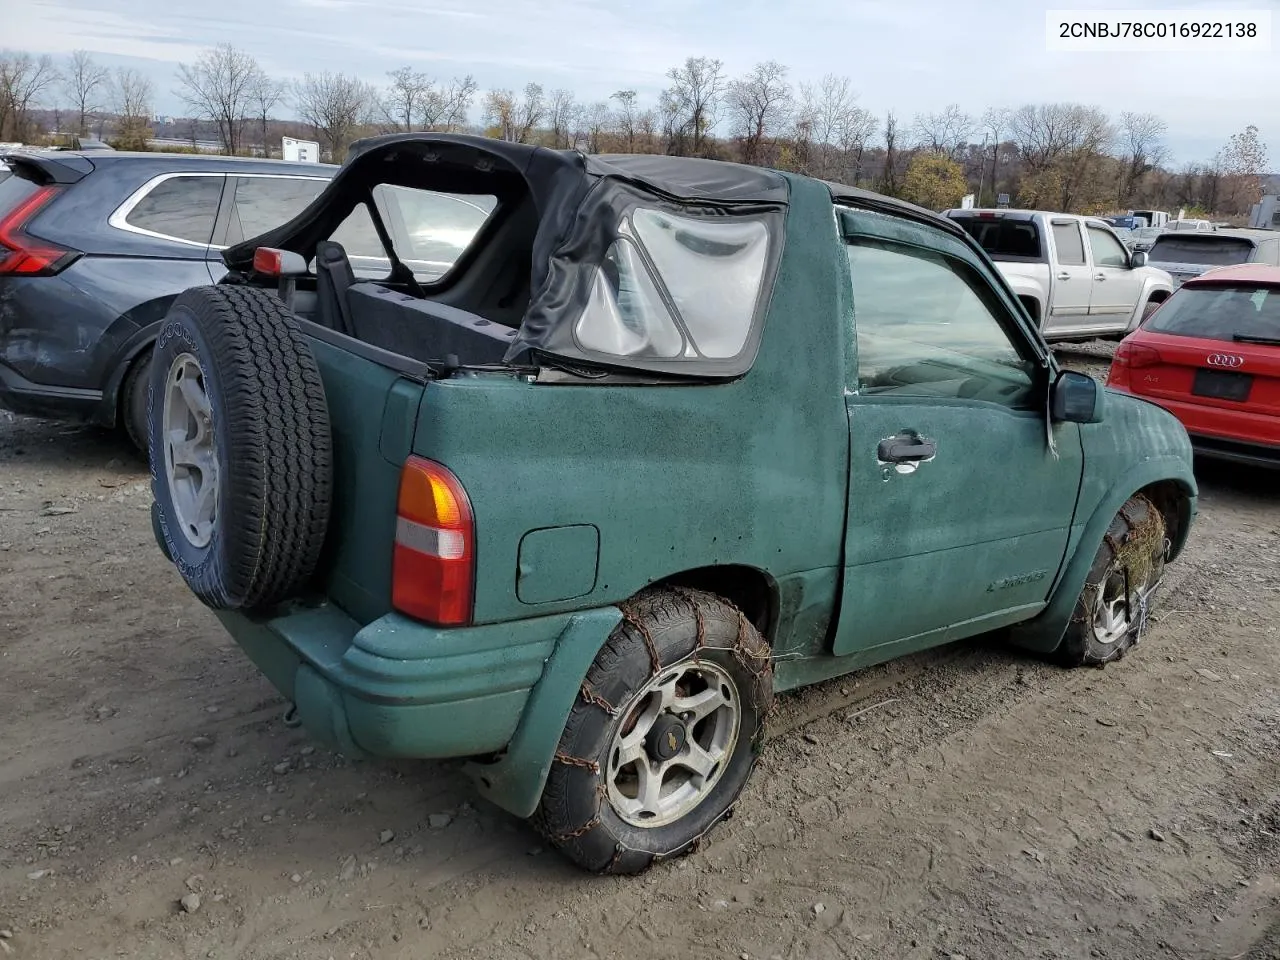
(1111, 612)
(664, 735)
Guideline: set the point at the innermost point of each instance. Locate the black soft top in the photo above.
(579, 201)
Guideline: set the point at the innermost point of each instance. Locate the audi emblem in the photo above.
(1224, 360)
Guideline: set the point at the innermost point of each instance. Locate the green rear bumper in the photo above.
(500, 693)
(397, 688)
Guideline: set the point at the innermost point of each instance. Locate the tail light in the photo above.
(1136, 355)
(24, 255)
(1130, 356)
(433, 570)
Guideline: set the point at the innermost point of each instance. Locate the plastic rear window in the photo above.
(1212, 251)
(696, 296)
(1220, 313)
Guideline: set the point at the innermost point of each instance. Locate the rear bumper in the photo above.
(29, 399)
(1236, 451)
(1238, 436)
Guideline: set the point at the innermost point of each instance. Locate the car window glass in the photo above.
(181, 207)
(359, 238)
(430, 230)
(1107, 250)
(1211, 251)
(264, 203)
(927, 326)
(1066, 237)
(1219, 313)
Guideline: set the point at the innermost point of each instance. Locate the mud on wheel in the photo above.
(1111, 612)
(664, 735)
(239, 444)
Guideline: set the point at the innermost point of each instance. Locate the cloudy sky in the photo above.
(909, 56)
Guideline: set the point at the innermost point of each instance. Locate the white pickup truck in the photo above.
(1073, 275)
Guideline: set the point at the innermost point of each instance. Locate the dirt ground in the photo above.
(970, 802)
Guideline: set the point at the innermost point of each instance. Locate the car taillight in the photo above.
(1136, 355)
(24, 255)
(433, 570)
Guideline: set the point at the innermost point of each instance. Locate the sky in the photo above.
(909, 56)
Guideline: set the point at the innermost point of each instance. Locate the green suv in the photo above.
(568, 465)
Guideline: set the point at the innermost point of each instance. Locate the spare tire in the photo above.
(240, 447)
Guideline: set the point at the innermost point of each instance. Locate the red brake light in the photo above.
(433, 569)
(24, 255)
(267, 261)
(1136, 355)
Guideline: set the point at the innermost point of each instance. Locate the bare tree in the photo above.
(759, 105)
(266, 94)
(500, 114)
(561, 115)
(131, 97)
(1243, 163)
(596, 121)
(945, 133)
(445, 107)
(995, 127)
(405, 100)
(85, 82)
(626, 117)
(1141, 135)
(24, 79)
(832, 130)
(336, 106)
(530, 112)
(219, 87)
(690, 104)
(889, 176)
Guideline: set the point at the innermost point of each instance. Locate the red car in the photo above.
(1210, 355)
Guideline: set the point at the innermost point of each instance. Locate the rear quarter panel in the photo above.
(673, 477)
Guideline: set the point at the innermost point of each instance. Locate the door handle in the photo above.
(1099, 276)
(1064, 275)
(906, 448)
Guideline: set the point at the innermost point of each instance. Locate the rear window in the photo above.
(13, 190)
(1212, 251)
(179, 208)
(430, 231)
(1220, 313)
(1004, 238)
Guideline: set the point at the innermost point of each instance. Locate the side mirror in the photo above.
(1138, 259)
(1077, 398)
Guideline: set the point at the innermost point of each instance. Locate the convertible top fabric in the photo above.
(580, 201)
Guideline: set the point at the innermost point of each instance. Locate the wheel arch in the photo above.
(514, 779)
(1170, 484)
(750, 589)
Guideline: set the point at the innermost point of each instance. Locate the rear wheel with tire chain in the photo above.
(1111, 612)
(240, 446)
(664, 736)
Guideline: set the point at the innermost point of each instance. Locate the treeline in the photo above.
(1063, 156)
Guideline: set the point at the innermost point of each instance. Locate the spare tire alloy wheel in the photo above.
(664, 736)
(190, 460)
(240, 447)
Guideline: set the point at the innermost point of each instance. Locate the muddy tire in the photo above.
(239, 443)
(1149, 308)
(664, 736)
(1103, 626)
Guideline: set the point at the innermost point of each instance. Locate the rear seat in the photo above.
(423, 329)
